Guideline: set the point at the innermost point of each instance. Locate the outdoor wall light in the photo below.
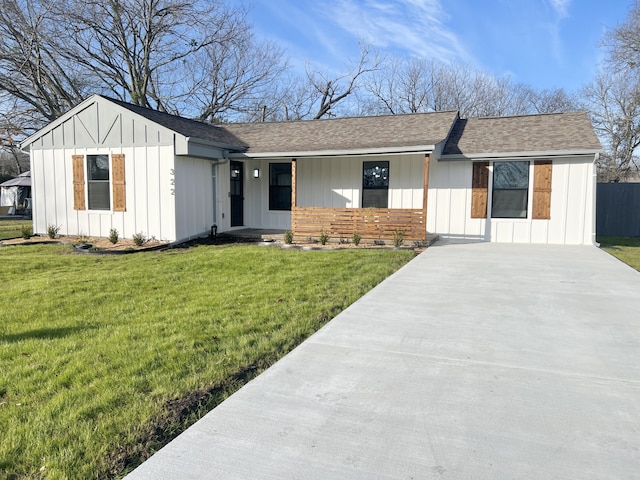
(256, 173)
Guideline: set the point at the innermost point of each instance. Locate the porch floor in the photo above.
(257, 234)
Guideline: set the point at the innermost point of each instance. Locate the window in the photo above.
(98, 182)
(279, 186)
(375, 185)
(510, 189)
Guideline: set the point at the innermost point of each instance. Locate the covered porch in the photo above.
(369, 222)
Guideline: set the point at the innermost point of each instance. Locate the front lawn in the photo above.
(626, 249)
(105, 358)
(12, 228)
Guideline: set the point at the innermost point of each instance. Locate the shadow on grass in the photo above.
(41, 334)
(619, 241)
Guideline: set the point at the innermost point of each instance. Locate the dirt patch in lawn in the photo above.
(88, 244)
(178, 415)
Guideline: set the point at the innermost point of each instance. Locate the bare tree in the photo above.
(329, 90)
(614, 103)
(229, 78)
(552, 101)
(420, 85)
(623, 42)
(31, 71)
(136, 47)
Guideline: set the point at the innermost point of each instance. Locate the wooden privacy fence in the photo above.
(373, 223)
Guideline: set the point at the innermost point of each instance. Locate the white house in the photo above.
(109, 164)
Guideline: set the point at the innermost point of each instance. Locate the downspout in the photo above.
(225, 159)
(594, 199)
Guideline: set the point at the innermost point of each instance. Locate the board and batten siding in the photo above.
(570, 211)
(194, 194)
(256, 211)
(336, 182)
(148, 203)
(144, 160)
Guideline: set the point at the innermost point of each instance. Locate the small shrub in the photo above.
(355, 238)
(82, 238)
(139, 239)
(52, 230)
(113, 236)
(288, 237)
(324, 237)
(398, 238)
(26, 231)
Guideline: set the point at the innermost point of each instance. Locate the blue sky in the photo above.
(544, 43)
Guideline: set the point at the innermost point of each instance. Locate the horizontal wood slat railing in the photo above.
(372, 223)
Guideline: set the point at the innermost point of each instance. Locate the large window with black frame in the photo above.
(98, 182)
(375, 184)
(279, 186)
(510, 190)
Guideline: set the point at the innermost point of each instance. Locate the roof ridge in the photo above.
(495, 117)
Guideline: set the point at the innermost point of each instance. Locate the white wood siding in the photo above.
(256, 194)
(337, 181)
(572, 206)
(194, 197)
(150, 204)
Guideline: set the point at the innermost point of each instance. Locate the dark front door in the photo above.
(237, 195)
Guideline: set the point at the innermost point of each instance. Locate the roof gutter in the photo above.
(540, 153)
(336, 153)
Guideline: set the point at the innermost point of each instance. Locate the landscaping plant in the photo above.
(398, 238)
(52, 230)
(26, 231)
(113, 236)
(355, 238)
(139, 239)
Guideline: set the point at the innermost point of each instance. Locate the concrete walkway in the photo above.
(475, 361)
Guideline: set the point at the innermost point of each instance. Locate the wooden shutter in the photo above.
(117, 180)
(78, 182)
(542, 189)
(479, 189)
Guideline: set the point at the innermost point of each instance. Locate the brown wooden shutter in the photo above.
(117, 180)
(542, 189)
(479, 189)
(78, 182)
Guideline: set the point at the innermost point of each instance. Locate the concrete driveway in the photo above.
(475, 361)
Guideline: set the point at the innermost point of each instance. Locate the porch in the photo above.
(369, 223)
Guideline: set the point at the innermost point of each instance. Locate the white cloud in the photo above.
(414, 26)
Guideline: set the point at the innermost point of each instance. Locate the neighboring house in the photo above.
(16, 192)
(109, 164)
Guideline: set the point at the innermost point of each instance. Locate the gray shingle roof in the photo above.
(527, 133)
(189, 128)
(391, 131)
(464, 137)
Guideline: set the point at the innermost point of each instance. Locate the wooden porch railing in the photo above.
(371, 223)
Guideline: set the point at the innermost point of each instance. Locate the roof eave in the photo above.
(199, 147)
(336, 152)
(531, 154)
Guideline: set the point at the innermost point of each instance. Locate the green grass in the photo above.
(12, 228)
(626, 249)
(105, 358)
